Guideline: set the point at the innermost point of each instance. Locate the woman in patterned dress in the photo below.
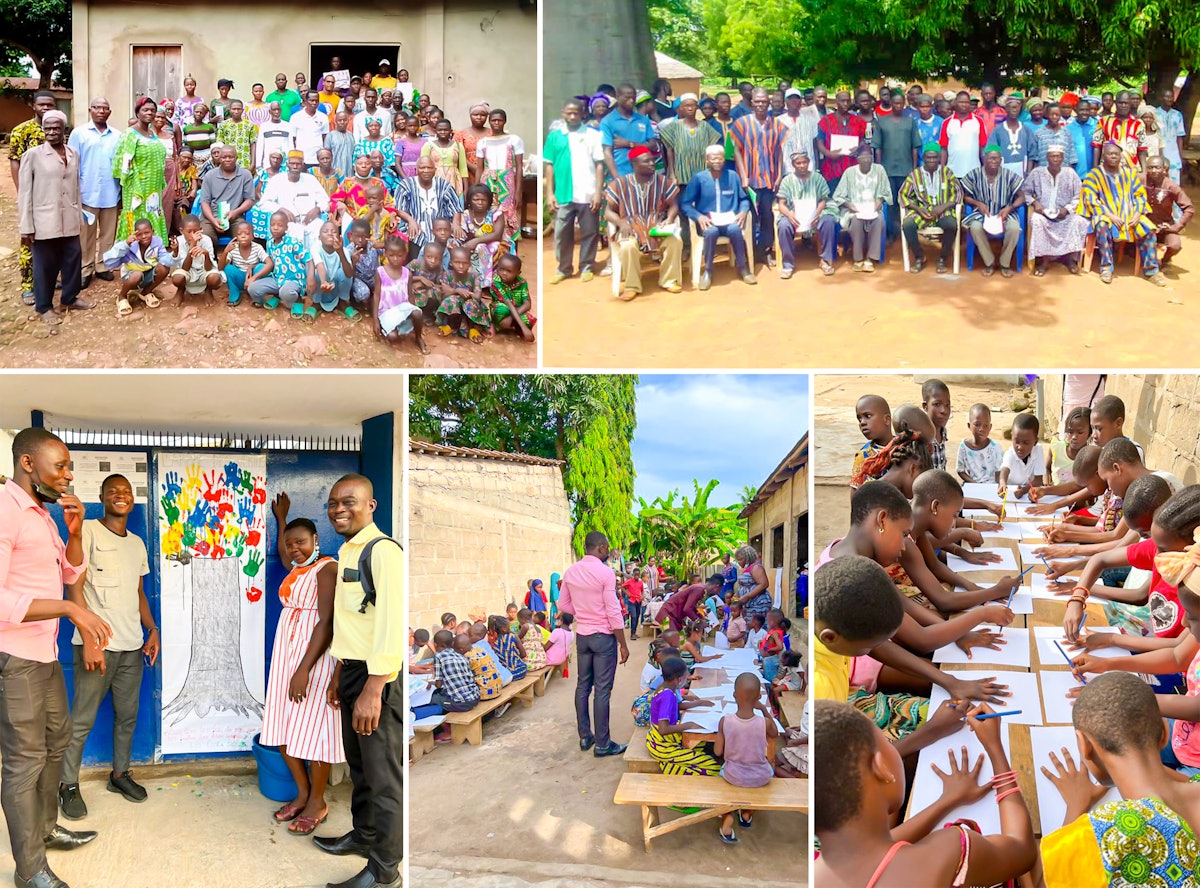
(141, 166)
(348, 202)
(753, 586)
(470, 136)
(487, 232)
(172, 140)
(449, 156)
(260, 218)
(501, 159)
(297, 717)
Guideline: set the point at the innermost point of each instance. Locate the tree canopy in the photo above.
(586, 421)
(40, 29)
(687, 534)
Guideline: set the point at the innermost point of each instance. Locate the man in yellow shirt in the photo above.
(369, 647)
(384, 79)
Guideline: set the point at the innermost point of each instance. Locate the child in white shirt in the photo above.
(1024, 463)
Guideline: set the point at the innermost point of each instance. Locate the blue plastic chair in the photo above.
(837, 235)
(1020, 252)
(221, 241)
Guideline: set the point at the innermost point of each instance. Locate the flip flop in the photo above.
(730, 839)
(234, 300)
(743, 822)
(307, 825)
(444, 330)
(124, 308)
(27, 297)
(290, 811)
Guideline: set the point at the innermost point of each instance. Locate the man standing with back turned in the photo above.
(35, 725)
(588, 592)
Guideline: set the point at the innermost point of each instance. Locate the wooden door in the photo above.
(155, 73)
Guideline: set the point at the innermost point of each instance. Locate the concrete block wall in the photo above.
(478, 529)
(1162, 413)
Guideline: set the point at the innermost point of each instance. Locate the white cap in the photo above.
(385, 62)
(793, 92)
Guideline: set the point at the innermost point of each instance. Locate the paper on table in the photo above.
(1028, 559)
(706, 718)
(1015, 652)
(1008, 561)
(1048, 654)
(927, 785)
(1055, 704)
(1010, 530)
(717, 693)
(1023, 686)
(1051, 806)
(1043, 588)
(989, 493)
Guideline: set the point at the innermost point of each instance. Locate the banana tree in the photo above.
(686, 535)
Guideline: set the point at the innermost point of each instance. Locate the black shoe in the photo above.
(126, 786)
(347, 844)
(43, 878)
(611, 749)
(71, 802)
(105, 275)
(85, 283)
(585, 745)
(62, 839)
(365, 879)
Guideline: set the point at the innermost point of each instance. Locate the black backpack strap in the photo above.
(364, 571)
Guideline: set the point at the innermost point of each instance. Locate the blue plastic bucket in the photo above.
(274, 779)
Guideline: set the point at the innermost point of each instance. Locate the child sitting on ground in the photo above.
(365, 259)
(428, 280)
(144, 264)
(395, 317)
(935, 401)
(875, 422)
(509, 652)
(442, 230)
(860, 790)
(456, 689)
(979, 457)
(242, 257)
(1024, 464)
(742, 742)
(330, 274)
(1102, 846)
(463, 309)
(510, 298)
(195, 268)
(531, 640)
(664, 740)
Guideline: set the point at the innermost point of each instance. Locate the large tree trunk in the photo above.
(214, 679)
(1188, 98)
(589, 42)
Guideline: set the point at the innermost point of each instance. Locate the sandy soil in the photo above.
(204, 336)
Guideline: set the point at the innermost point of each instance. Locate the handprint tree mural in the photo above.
(212, 544)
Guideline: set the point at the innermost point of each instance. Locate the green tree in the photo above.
(686, 535)
(40, 29)
(677, 28)
(587, 421)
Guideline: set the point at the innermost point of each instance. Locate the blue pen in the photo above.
(1070, 663)
(996, 714)
(1081, 622)
(1045, 562)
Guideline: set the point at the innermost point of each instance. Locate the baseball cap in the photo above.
(385, 62)
(793, 92)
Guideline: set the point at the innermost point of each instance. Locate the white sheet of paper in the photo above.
(1028, 558)
(707, 718)
(1051, 805)
(927, 785)
(725, 218)
(1008, 561)
(717, 693)
(1055, 704)
(1043, 588)
(1048, 654)
(804, 209)
(1015, 652)
(1010, 530)
(846, 144)
(989, 493)
(1023, 686)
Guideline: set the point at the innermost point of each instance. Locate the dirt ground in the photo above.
(220, 336)
(530, 809)
(892, 319)
(836, 433)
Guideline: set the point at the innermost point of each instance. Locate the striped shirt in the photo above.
(923, 190)
(761, 144)
(1046, 137)
(995, 194)
(1121, 194)
(688, 143)
(642, 204)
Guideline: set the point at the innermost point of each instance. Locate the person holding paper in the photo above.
(993, 193)
(804, 209)
(929, 196)
(226, 194)
(860, 195)
(838, 137)
(715, 202)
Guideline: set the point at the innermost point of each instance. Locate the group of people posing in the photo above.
(320, 200)
(1069, 174)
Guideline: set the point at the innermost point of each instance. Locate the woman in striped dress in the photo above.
(297, 718)
(664, 740)
(753, 587)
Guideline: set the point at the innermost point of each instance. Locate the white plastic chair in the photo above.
(957, 236)
(698, 247)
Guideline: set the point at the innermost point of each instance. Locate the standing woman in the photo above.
(554, 580)
(172, 142)
(185, 108)
(297, 717)
(501, 159)
(140, 165)
(753, 590)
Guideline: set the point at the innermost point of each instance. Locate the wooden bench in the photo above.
(637, 757)
(468, 726)
(791, 707)
(423, 740)
(544, 675)
(712, 795)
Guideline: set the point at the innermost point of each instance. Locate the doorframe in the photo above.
(133, 46)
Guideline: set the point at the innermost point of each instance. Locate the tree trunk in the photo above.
(588, 43)
(214, 679)
(1187, 100)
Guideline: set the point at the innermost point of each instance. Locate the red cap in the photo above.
(638, 151)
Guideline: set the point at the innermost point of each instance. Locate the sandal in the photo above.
(1039, 271)
(297, 310)
(745, 822)
(444, 330)
(306, 826)
(27, 297)
(290, 811)
(310, 313)
(124, 308)
(475, 336)
(730, 839)
(352, 314)
(271, 303)
(151, 300)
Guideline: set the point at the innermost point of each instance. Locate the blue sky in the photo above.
(735, 428)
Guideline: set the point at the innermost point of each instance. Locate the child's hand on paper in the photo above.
(961, 785)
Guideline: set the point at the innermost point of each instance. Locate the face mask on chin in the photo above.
(311, 558)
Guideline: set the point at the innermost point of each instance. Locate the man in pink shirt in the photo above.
(35, 724)
(588, 591)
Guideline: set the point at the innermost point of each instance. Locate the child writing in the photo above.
(757, 632)
(689, 651)
(664, 740)
(396, 317)
(979, 457)
(791, 677)
(1024, 464)
(144, 262)
(875, 422)
(420, 653)
(456, 690)
(742, 742)
(860, 790)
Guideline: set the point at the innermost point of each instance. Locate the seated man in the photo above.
(1115, 202)
(803, 193)
(1055, 227)
(993, 192)
(638, 203)
(716, 202)
(929, 196)
(860, 196)
(300, 196)
(226, 194)
(1164, 195)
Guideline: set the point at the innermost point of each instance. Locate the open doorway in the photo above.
(356, 58)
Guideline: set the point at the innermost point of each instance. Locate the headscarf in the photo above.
(638, 151)
(137, 106)
(486, 107)
(1034, 103)
(990, 149)
(554, 578)
(1179, 568)
(1068, 98)
(930, 146)
(536, 601)
(600, 97)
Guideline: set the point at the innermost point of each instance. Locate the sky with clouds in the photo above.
(735, 428)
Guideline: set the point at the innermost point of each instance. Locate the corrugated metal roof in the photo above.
(792, 463)
(478, 453)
